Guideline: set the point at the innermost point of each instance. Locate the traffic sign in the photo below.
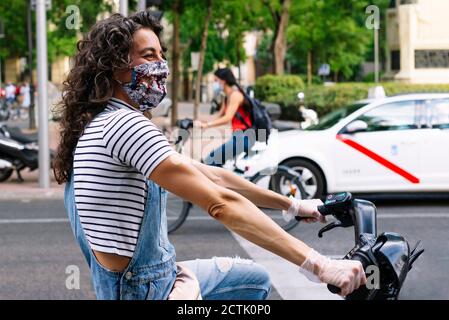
(324, 70)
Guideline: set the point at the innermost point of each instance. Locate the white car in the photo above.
(393, 144)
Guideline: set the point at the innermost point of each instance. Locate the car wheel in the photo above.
(312, 179)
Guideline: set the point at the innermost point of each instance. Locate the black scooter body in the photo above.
(18, 153)
(389, 252)
(16, 134)
(21, 152)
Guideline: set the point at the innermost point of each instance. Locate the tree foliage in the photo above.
(61, 40)
(333, 30)
(13, 15)
(230, 19)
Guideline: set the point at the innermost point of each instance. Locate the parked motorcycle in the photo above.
(18, 151)
(4, 110)
(6, 169)
(17, 134)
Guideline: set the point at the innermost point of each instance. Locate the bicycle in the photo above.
(280, 179)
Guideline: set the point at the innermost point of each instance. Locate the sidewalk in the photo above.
(29, 190)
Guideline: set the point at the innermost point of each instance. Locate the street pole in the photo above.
(142, 5)
(2, 35)
(31, 114)
(123, 7)
(42, 76)
(376, 54)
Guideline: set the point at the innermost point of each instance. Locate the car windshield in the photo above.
(334, 117)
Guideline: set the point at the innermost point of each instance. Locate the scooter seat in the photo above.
(19, 136)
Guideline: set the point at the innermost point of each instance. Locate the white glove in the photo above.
(348, 275)
(304, 208)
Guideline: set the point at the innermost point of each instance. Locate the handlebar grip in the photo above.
(324, 210)
(333, 289)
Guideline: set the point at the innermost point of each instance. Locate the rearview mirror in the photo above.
(356, 126)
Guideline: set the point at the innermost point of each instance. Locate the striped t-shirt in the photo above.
(119, 148)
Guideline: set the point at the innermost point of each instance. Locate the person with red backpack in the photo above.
(236, 109)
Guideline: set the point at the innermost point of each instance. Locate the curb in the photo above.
(45, 194)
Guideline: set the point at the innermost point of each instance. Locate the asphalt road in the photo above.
(35, 253)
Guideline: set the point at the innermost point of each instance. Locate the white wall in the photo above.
(420, 26)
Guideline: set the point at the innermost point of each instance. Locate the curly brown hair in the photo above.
(89, 85)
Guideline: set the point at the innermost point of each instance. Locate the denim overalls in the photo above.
(151, 272)
(152, 269)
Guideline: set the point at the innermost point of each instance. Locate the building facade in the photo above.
(418, 41)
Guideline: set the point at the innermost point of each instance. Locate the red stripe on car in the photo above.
(379, 159)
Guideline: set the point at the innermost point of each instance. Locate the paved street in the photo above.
(368, 112)
(36, 246)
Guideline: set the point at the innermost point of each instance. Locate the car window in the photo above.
(334, 117)
(439, 115)
(392, 116)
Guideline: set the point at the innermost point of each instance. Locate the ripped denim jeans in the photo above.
(224, 278)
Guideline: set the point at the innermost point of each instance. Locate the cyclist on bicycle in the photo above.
(235, 110)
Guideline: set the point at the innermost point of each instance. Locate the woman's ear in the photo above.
(122, 76)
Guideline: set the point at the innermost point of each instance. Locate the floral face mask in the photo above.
(148, 84)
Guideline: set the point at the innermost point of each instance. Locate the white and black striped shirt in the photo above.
(119, 148)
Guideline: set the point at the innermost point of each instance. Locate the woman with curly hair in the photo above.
(117, 166)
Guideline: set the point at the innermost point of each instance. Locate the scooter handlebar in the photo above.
(326, 209)
(333, 289)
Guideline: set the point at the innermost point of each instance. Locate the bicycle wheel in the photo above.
(285, 182)
(177, 210)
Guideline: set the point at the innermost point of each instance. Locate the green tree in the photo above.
(191, 21)
(330, 31)
(61, 40)
(280, 13)
(223, 40)
(229, 22)
(202, 52)
(62, 36)
(13, 14)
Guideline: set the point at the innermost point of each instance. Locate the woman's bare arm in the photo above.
(179, 176)
(259, 196)
(234, 101)
(221, 112)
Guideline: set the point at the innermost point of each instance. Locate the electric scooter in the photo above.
(389, 252)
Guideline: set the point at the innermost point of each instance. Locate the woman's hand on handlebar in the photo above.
(306, 209)
(348, 275)
(200, 124)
